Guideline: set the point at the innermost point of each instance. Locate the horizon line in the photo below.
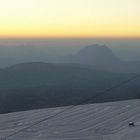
(70, 37)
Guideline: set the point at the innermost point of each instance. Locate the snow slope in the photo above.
(102, 121)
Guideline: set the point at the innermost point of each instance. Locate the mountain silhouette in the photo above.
(37, 85)
(100, 57)
(96, 55)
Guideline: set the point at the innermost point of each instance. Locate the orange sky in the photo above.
(69, 18)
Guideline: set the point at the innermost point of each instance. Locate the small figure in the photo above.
(131, 124)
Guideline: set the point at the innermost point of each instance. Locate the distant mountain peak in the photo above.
(95, 45)
(96, 48)
(96, 54)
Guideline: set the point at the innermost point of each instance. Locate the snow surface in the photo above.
(102, 121)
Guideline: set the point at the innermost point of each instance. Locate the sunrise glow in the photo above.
(69, 18)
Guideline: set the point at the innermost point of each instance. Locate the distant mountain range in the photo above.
(38, 85)
(49, 74)
(100, 57)
(72, 79)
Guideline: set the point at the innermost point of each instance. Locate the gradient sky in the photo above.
(69, 18)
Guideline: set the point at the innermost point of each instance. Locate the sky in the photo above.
(69, 18)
